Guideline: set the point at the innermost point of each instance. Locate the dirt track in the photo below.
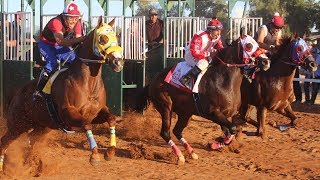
(142, 154)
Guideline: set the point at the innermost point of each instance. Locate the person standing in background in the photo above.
(315, 86)
(155, 54)
(297, 88)
(154, 30)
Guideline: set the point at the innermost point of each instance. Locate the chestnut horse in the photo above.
(273, 89)
(219, 96)
(78, 93)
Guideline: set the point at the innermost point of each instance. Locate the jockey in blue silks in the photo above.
(59, 34)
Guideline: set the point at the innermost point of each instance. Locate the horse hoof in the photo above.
(110, 153)
(94, 161)
(181, 160)
(194, 155)
(239, 136)
(263, 136)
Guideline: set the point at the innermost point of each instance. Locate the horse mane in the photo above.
(85, 43)
(282, 48)
(231, 54)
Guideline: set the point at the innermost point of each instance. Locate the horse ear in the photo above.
(111, 23)
(99, 21)
(296, 35)
(242, 32)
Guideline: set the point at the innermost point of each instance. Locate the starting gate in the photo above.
(131, 36)
(250, 26)
(16, 60)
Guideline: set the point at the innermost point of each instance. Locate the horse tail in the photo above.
(142, 99)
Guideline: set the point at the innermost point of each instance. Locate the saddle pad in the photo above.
(175, 73)
(47, 87)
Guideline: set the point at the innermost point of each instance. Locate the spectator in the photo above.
(308, 75)
(13, 30)
(154, 33)
(306, 85)
(154, 30)
(315, 86)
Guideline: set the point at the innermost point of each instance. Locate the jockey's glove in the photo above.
(272, 48)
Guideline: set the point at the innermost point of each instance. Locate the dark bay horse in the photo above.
(219, 92)
(273, 89)
(78, 94)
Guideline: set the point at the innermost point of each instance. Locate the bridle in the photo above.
(107, 48)
(300, 60)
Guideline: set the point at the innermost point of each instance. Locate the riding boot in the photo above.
(191, 74)
(43, 79)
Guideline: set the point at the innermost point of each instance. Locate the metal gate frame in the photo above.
(16, 61)
(250, 25)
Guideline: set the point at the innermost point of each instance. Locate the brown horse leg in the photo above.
(166, 115)
(72, 113)
(177, 131)
(228, 128)
(37, 134)
(288, 112)
(245, 112)
(248, 117)
(261, 118)
(6, 140)
(105, 116)
(94, 158)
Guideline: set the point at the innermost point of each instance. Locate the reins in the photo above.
(85, 60)
(234, 65)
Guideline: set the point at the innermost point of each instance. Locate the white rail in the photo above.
(306, 80)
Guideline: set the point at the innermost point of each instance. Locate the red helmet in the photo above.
(71, 10)
(277, 20)
(214, 24)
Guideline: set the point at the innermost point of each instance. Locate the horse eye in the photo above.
(109, 30)
(103, 39)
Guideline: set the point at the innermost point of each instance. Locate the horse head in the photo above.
(264, 62)
(234, 52)
(105, 45)
(297, 52)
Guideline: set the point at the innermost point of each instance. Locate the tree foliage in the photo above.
(300, 15)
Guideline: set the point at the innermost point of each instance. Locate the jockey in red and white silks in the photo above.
(199, 49)
(203, 43)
